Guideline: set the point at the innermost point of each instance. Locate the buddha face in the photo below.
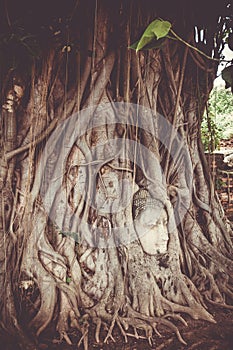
(151, 228)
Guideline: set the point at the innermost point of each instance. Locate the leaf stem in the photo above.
(195, 48)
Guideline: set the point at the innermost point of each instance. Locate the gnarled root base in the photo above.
(138, 294)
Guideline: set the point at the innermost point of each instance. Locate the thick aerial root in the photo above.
(65, 314)
(201, 244)
(109, 335)
(225, 306)
(122, 330)
(227, 291)
(63, 335)
(45, 314)
(177, 317)
(97, 321)
(204, 280)
(84, 328)
(84, 340)
(196, 312)
(66, 337)
(170, 325)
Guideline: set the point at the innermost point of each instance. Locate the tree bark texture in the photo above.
(136, 284)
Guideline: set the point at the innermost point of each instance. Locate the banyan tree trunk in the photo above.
(108, 213)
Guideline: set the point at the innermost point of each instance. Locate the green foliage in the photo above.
(220, 102)
(227, 75)
(68, 280)
(156, 30)
(219, 184)
(217, 124)
(210, 134)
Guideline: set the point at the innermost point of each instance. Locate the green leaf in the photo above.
(134, 45)
(153, 44)
(161, 28)
(155, 30)
(68, 280)
(227, 75)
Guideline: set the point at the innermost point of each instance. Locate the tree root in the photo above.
(45, 314)
(65, 314)
(196, 312)
(225, 306)
(177, 317)
(84, 340)
(109, 335)
(152, 322)
(63, 335)
(227, 291)
(98, 322)
(134, 319)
